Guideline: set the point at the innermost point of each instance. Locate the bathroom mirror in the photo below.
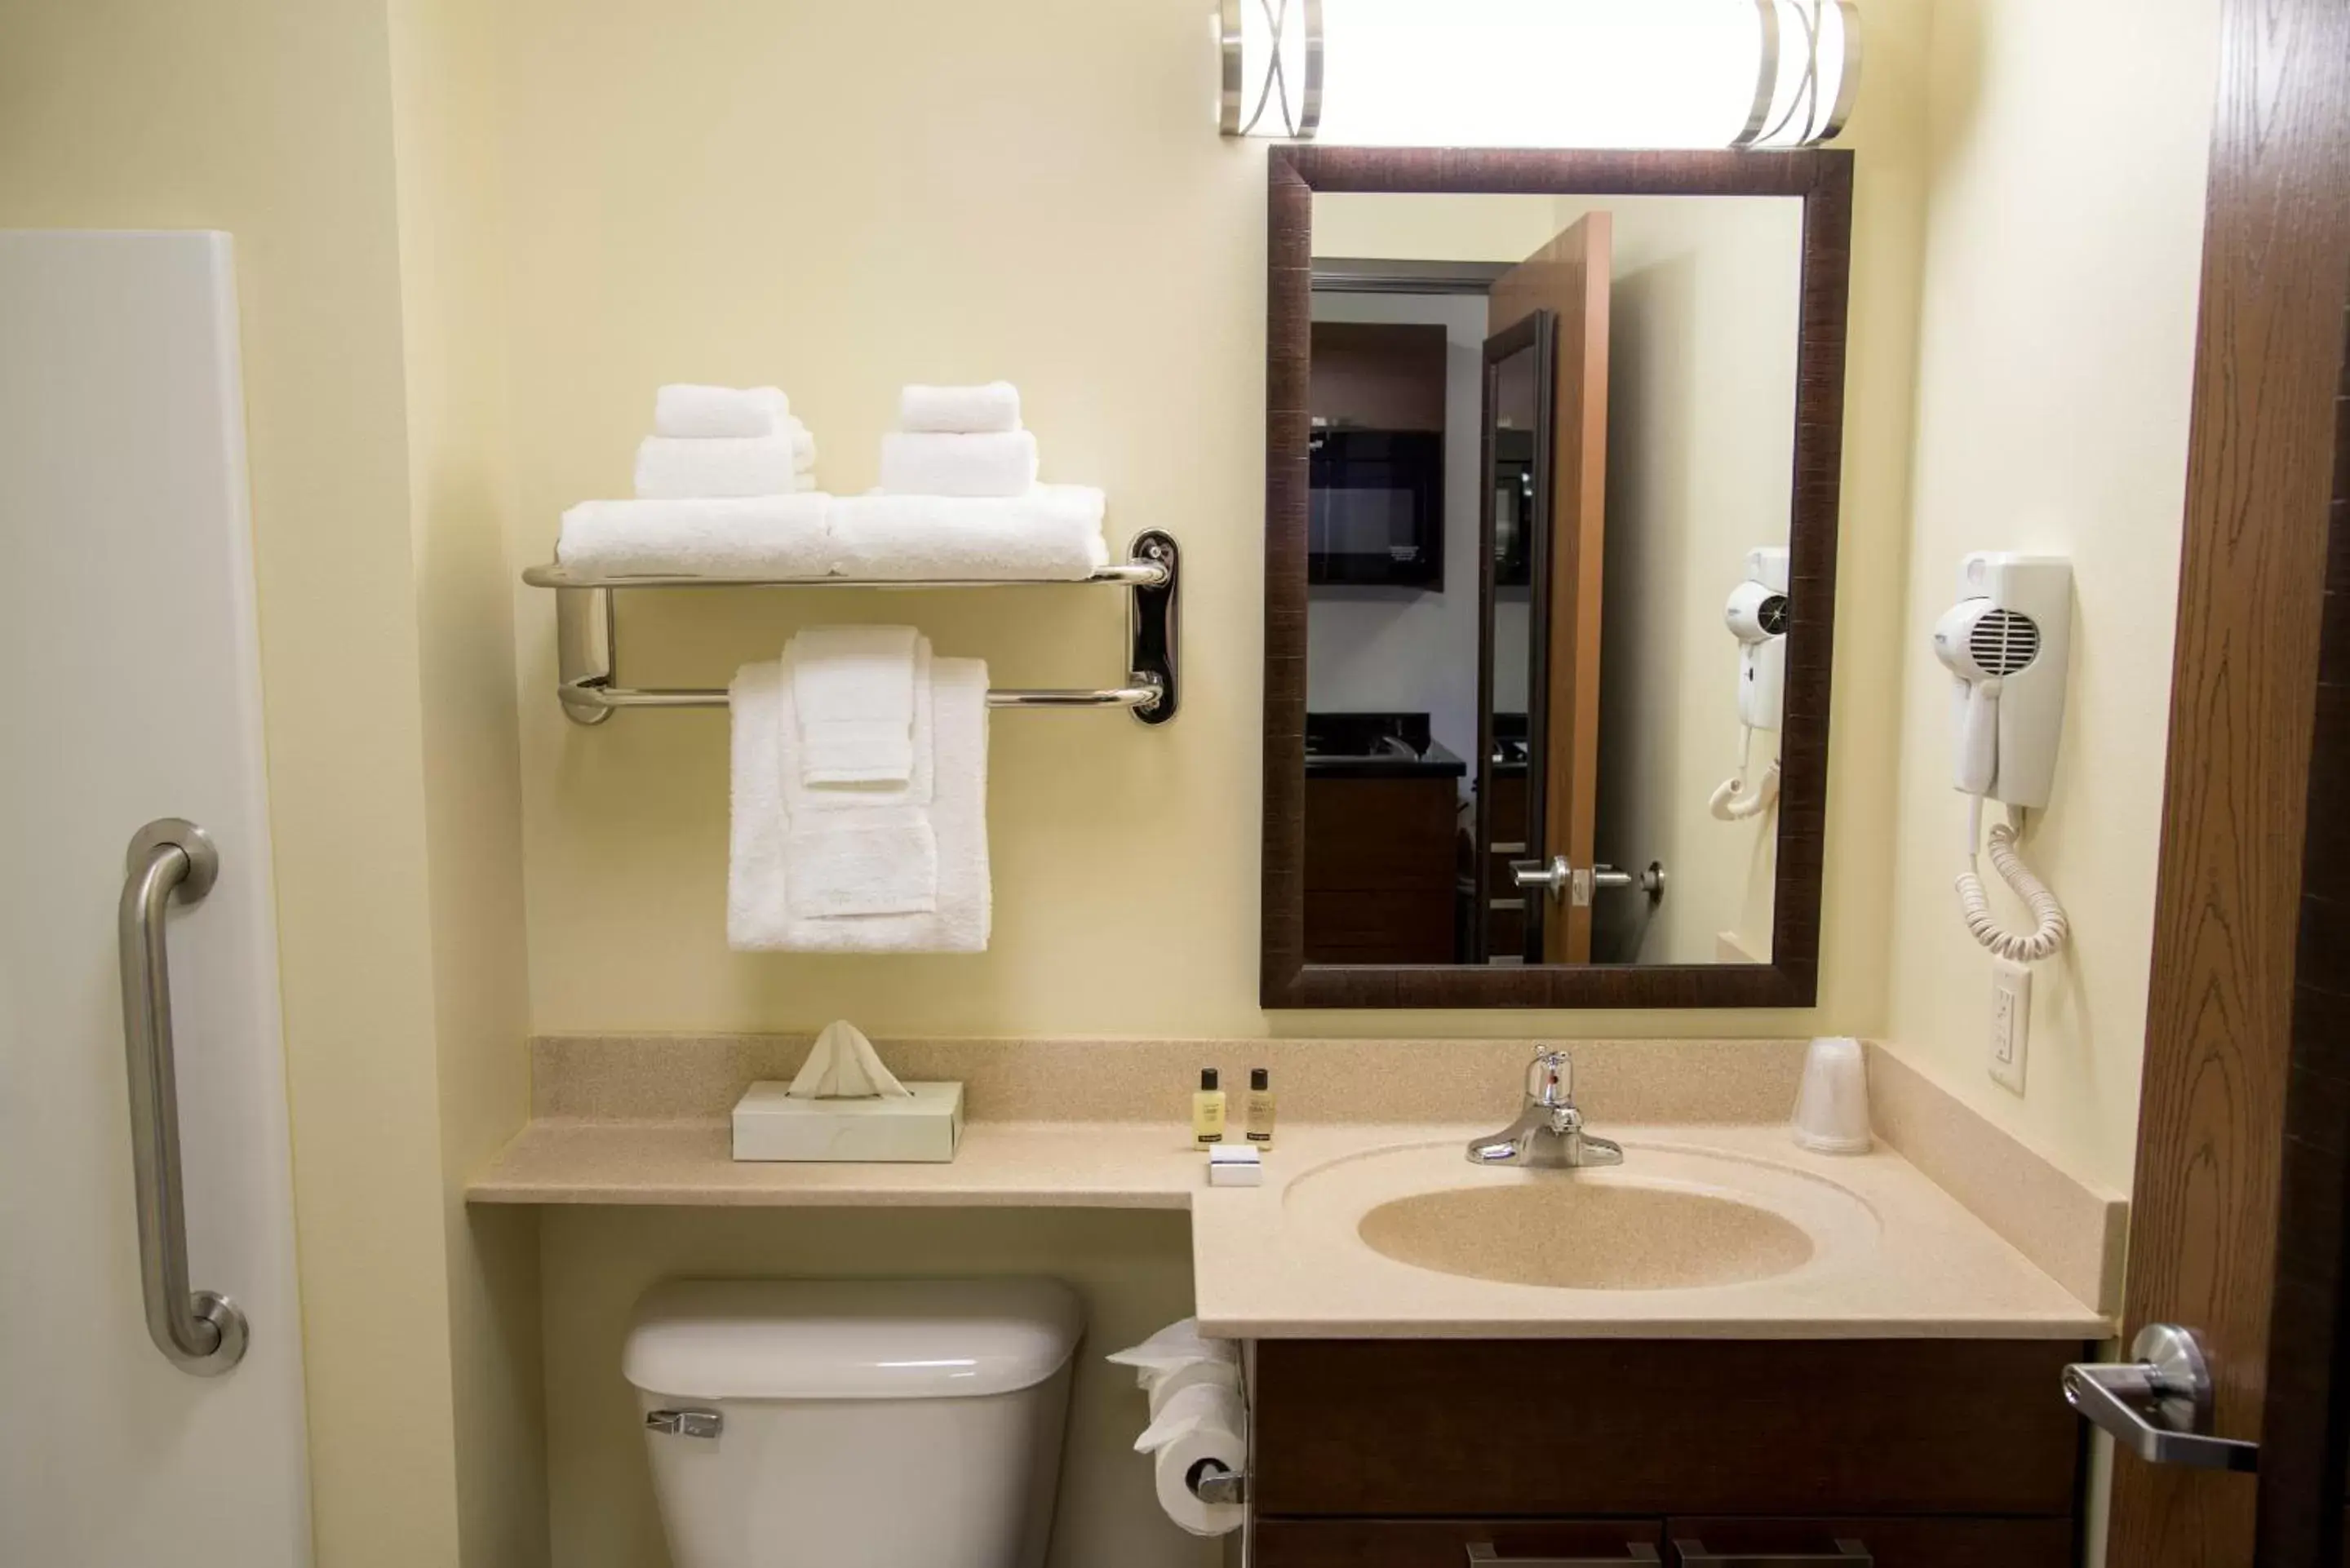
(1552, 449)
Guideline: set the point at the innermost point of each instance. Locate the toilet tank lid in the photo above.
(850, 1339)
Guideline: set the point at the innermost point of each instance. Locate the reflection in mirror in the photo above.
(1552, 440)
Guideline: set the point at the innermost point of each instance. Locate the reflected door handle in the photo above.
(1562, 879)
(2158, 1406)
(199, 1331)
(1559, 876)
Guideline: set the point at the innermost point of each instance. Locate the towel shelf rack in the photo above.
(588, 683)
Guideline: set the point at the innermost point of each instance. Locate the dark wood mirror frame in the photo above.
(1822, 180)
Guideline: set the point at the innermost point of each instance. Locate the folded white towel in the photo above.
(867, 860)
(1053, 532)
(685, 467)
(994, 406)
(918, 788)
(759, 905)
(703, 411)
(747, 536)
(853, 689)
(1001, 462)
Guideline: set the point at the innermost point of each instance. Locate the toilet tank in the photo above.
(855, 1424)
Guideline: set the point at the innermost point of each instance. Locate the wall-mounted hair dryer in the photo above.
(2006, 644)
(1757, 616)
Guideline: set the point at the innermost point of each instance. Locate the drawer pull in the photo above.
(1847, 1554)
(1483, 1556)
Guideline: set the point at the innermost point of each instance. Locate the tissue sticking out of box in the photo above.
(845, 1105)
(843, 1066)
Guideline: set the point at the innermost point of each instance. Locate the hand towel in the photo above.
(679, 468)
(1054, 532)
(1001, 463)
(759, 916)
(994, 406)
(753, 537)
(704, 411)
(853, 689)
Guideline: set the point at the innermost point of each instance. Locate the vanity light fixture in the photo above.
(1540, 73)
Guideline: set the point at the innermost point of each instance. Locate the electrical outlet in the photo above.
(2010, 1022)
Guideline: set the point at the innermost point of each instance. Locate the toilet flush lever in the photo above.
(686, 1423)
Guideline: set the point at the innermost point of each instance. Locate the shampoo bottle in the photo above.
(1207, 1112)
(1260, 1108)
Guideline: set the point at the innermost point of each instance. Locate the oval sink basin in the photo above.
(1586, 1236)
(1673, 1217)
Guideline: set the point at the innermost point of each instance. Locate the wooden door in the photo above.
(2237, 1228)
(1569, 277)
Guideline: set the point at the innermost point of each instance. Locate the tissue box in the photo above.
(770, 1124)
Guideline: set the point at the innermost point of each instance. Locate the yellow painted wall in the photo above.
(2061, 273)
(843, 199)
(460, 495)
(384, 675)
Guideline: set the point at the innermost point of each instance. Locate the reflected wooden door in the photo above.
(1569, 277)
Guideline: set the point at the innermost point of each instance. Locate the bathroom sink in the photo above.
(1673, 1217)
(1587, 1235)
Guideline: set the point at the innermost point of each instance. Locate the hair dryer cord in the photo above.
(1976, 905)
(1734, 802)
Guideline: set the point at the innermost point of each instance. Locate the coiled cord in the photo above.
(1734, 802)
(2052, 928)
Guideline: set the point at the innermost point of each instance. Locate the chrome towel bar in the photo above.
(588, 688)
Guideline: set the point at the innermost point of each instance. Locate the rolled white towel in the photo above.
(743, 536)
(1054, 532)
(994, 406)
(705, 411)
(674, 468)
(1000, 462)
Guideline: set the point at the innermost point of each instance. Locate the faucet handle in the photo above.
(1550, 1080)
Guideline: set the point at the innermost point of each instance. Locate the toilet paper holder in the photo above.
(1211, 1482)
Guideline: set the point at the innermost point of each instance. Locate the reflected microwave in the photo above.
(1375, 508)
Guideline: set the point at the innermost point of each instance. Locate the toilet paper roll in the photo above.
(1163, 1386)
(1201, 1405)
(1177, 1346)
(1198, 1445)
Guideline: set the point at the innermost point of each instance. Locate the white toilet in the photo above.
(855, 1424)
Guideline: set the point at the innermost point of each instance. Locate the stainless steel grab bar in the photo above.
(199, 1331)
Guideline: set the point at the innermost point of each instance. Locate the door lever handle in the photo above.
(2157, 1405)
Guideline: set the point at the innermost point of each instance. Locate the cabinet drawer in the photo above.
(1583, 1429)
(1422, 1543)
(1884, 1543)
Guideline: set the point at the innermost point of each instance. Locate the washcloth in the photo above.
(919, 788)
(751, 537)
(853, 689)
(1054, 532)
(703, 411)
(759, 905)
(994, 406)
(1001, 463)
(684, 467)
(863, 861)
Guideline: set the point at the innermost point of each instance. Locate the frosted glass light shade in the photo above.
(1540, 73)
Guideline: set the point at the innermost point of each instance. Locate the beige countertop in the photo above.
(1902, 1257)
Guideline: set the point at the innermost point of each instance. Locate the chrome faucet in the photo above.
(1548, 1133)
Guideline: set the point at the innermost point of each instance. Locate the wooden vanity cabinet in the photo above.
(1710, 1453)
